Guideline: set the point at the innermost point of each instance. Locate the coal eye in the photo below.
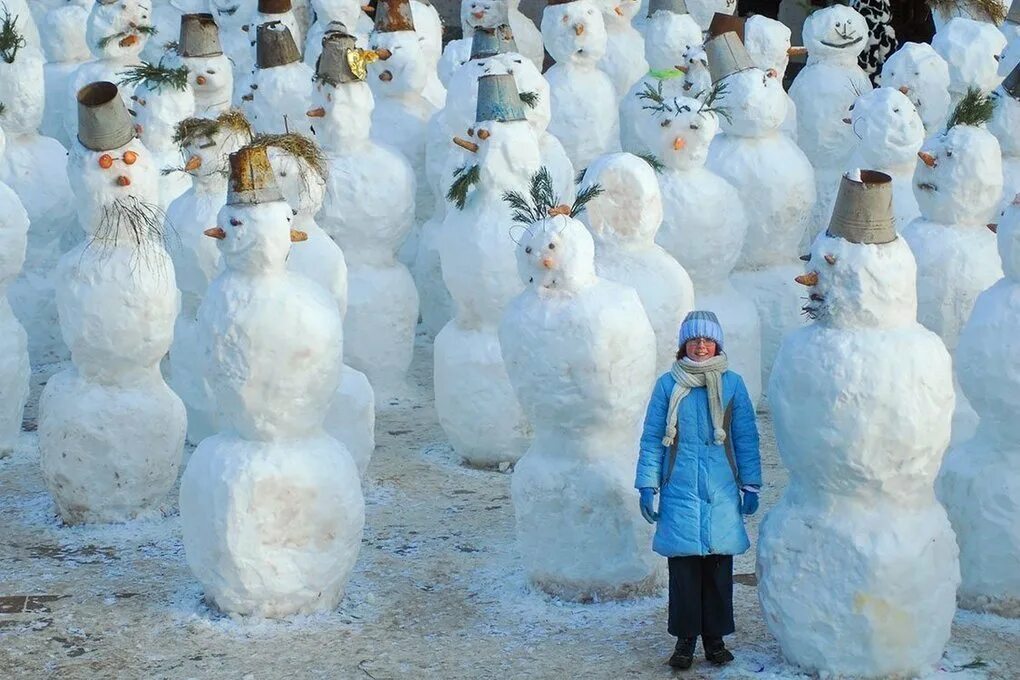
(694, 127)
(528, 250)
(665, 123)
(895, 110)
(949, 154)
(552, 246)
(210, 71)
(234, 222)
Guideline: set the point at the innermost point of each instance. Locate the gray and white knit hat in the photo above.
(701, 324)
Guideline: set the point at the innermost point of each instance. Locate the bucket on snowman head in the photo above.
(498, 99)
(674, 6)
(1011, 85)
(392, 16)
(724, 23)
(863, 212)
(275, 46)
(333, 65)
(103, 121)
(488, 42)
(200, 36)
(274, 6)
(251, 178)
(726, 56)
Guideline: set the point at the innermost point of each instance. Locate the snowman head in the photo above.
(346, 12)
(162, 98)
(836, 32)
(755, 102)
(429, 28)
(1008, 235)
(888, 127)
(531, 84)
(504, 142)
(211, 74)
(482, 14)
(405, 70)
(556, 255)
(619, 12)
(63, 34)
(229, 14)
(679, 133)
(21, 91)
(918, 71)
(768, 43)
(206, 143)
(574, 32)
(668, 38)
(342, 102)
(972, 50)
(629, 207)
(300, 171)
(1005, 120)
(119, 29)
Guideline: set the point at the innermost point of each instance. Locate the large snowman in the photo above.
(585, 117)
(979, 484)
(1004, 123)
(281, 84)
(823, 92)
(63, 37)
(624, 60)
(474, 398)
(704, 225)
(919, 72)
(623, 221)
(776, 182)
(890, 133)
(368, 210)
(271, 507)
(580, 353)
(211, 73)
(957, 183)
(857, 564)
(972, 50)
(768, 44)
(35, 168)
(111, 433)
(14, 365)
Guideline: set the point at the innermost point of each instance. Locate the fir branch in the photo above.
(143, 29)
(464, 178)
(974, 109)
(523, 211)
(655, 96)
(10, 40)
(529, 99)
(994, 10)
(649, 157)
(155, 76)
(172, 46)
(543, 196)
(711, 105)
(579, 177)
(583, 197)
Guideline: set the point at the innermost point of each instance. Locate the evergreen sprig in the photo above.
(155, 76)
(655, 96)
(144, 29)
(649, 157)
(584, 196)
(10, 40)
(542, 198)
(974, 109)
(711, 103)
(529, 99)
(464, 178)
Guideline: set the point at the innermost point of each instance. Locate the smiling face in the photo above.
(482, 14)
(834, 32)
(700, 349)
(919, 70)
(958, 177)
(574, 32)
(889, 129)
(755, 101)
(557, 255)
(972, 50)
(668, 37)
(405, 71)
(255, 238)
(680, 139)
(113, 31)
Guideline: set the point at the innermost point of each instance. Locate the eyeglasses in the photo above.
(700, 341)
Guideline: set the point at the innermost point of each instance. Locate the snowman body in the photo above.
(580, 353)
(857, 564)
(35, 168)
(212, 83)
(157, 111)
(279, 98)
(66, 50)
(234, 25)
(972, 50)
(271, 508)
(978, 483)
(1003, 124)
(624, 60)
(475, 401)
(924, 75)
(772, 174)
(823, 92)
(369, 210)
(111, 432)
(585, 117)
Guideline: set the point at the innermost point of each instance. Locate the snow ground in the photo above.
(438, 592)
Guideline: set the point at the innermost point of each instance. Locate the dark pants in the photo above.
(701, 596)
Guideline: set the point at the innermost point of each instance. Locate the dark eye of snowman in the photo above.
(210, 71)
(234, 222)
(518, 61)
(895, 110)
(528, 250)
(998, 57)
(917, 73)
(552, 246)
(949, 153)
(694, 126)
(665, 123)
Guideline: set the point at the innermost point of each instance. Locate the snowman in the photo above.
(234, 25)
(1010, 56)
(624, 60)
(268, 11)
(671, 36)
(35, 168)
(205, 143)
(475, 402)
(890, 133)
(776, 182)
(703, 227)
(919, 72)
(162, 98)
(623, 221)
(979, 484)
(585, 117)
(527, 34)
(823, 92)
(972, 50)
(14, 365)
(281, 84)
(580, 353)
(957, 184)
(474, 14)
(402, 113)
(982, 11)
(111, 433)
(857, 564)
(368, 210)
(1004, 123)
(346, 12)
(299, 166)
(271, 507)
(768, 44)
(166, 19)
(211, 73)
(66, 49)
(429, 27)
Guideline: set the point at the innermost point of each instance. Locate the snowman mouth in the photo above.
(927, 186)
(228, 12)
(840, 45)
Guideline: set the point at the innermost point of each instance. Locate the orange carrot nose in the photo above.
(216, 233)
(123, 181)
(297, 236)
(128, 40)
(928, 159)
(681, 68)
(478, 15)
(200, 80)
(548, 262)
(904, 89)
(619, 12)
(465, 144)
(994, 228)
(578, 29)
(383, 53)
(194, 163)
(386, 76)
(679, 143)
(317, 112)
(809, 279)
(797, 51)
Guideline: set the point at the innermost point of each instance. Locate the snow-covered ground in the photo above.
(438, 592)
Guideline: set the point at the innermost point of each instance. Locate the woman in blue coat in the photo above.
(699, 453)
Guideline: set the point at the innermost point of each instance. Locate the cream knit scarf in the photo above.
(688, 375)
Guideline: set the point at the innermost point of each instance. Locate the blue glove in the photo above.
(648, 505)
(750, 504)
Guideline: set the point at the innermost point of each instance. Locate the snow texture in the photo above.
(971, 49)
(924, 74)
(279, 98)
(1004, 123)
(65, 47)
(346, 12)
(624, 61)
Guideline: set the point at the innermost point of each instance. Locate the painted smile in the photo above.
(841, 45)
(926, 186)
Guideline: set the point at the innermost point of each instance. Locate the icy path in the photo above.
(438, 591)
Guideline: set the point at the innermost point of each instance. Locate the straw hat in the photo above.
(863, 212)
(103, 121)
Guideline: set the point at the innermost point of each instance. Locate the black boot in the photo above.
(683, 654)
(715, 651)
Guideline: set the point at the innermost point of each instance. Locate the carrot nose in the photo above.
(619, 12)
(679, 143)
(478, 15)
(809, 279)
(928, 159)
(297, 236)
(904, 89)
(194, 163)
(465, 144)
(547, 262)
(128, 40)
(578, 29)
(681, 68)
(317, 112)
(797, 51)
(200, 80)
(123, 181)
(383, 53)
(216, 233)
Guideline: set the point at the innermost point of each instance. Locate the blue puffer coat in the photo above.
(699, 508)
